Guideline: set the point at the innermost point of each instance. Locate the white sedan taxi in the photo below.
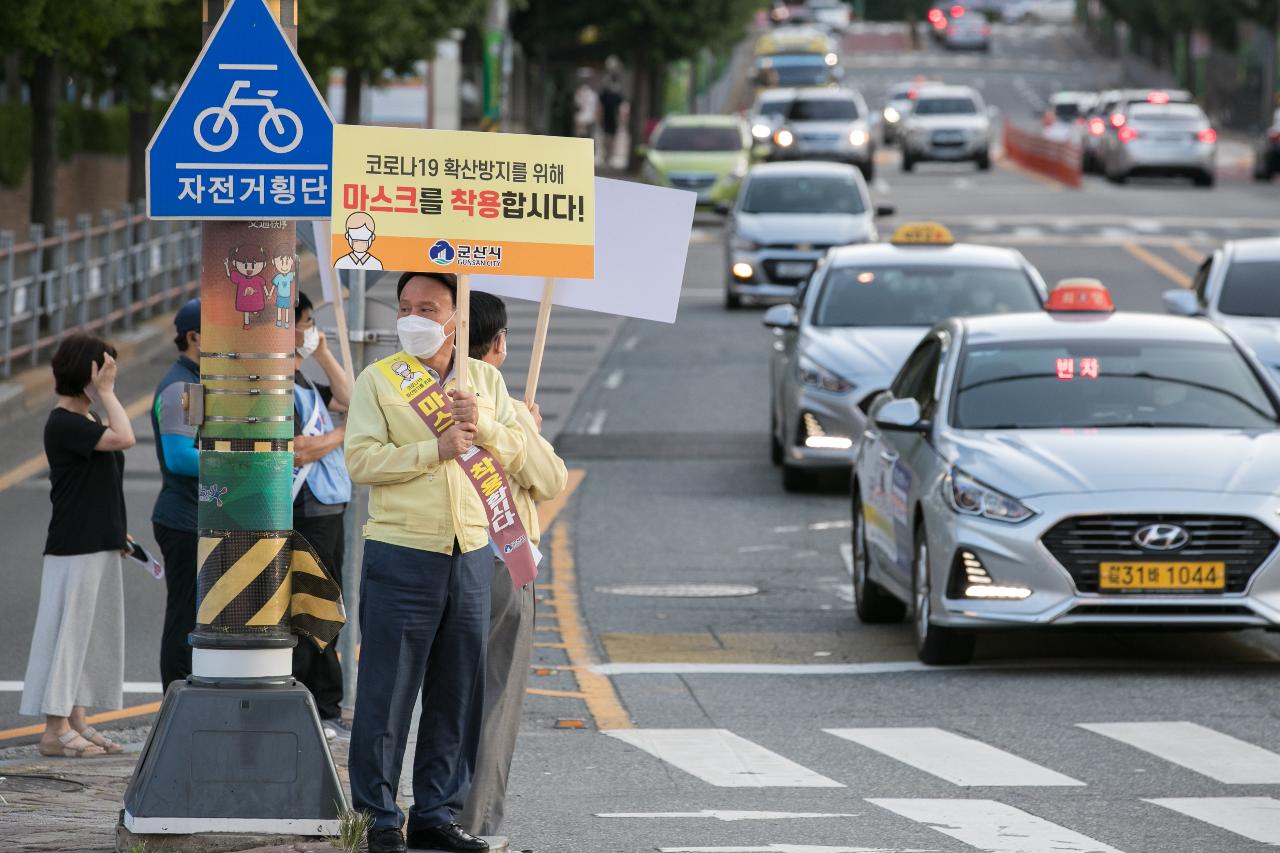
(1075, 467)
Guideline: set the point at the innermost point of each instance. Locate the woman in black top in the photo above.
(77, 648)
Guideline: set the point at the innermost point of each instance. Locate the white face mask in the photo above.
(419, 336)
(310, 340)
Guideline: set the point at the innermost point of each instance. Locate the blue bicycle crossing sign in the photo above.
(248, 136)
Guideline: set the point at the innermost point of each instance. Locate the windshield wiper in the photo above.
(1271, 416)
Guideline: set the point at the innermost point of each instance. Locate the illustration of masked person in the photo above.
(360, 236)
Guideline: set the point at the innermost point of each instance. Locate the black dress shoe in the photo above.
(448, 837)
(386, 839)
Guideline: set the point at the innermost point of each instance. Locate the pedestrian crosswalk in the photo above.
(724, 759)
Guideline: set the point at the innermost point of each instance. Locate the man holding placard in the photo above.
(542, 477)
(435, 457)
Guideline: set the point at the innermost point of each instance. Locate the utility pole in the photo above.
(238, 747)
(495, 82)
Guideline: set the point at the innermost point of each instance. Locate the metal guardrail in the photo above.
(100, 278)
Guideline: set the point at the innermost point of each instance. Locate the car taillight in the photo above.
(1117, 119)
(957, 11)
(1127, 134)
(1097, 126)
(936, 17)
(1208, 135)
(1274, 136)
(1158, 98)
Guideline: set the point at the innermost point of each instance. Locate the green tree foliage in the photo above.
(370, 38)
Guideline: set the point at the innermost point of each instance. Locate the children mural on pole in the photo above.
(244, 266)
(286, 264)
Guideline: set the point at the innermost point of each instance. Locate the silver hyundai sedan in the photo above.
(1236, 288)
(785, 218)
(850, 329)
(1069, 469)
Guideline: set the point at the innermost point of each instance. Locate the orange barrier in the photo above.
(1057, 160)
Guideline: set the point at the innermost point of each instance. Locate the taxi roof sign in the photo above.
(1080, 294)
(922, 234)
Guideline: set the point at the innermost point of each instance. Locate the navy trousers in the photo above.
(424, 619)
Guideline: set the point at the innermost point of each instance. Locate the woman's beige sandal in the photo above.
(72, 745)
(100, 740)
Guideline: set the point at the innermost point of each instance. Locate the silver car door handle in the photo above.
(870, 435)
(888, 456)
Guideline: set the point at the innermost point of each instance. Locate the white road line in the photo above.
(129, 687)
(722, 758)
(595, 424)
(838, 524)
(629, 344)
(726, 815)
(769, 668)
(959, 760)
(1203, 750)
(790, 848)
(994, 827)
(1255, 818)
(613, 380)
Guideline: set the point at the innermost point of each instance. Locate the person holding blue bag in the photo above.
(321, 490)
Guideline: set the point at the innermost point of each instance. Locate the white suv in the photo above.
(947, 123)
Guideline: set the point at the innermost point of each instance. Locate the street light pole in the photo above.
(237, 746)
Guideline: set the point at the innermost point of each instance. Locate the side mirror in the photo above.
(1182, 302)
(901, 416)
(885, 210)
(782, 317)
(723, 208)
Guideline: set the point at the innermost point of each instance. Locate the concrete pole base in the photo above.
(214, 842)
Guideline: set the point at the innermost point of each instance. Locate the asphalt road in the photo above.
(722, 709)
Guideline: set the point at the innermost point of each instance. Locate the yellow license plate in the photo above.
(1161, 576)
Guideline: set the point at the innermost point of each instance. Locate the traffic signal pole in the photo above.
(238, 747)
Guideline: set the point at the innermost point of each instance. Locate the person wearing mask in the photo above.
(424, 603)
(542, 477)
(77, 647)
(321, 489)
(174, 518)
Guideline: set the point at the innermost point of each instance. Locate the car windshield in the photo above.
(945, 106)
(1066, 110)
(822, 109)
(698, 139)
(802, 194)
(807, 70)
(775, 107)
(1167, 112)
(1252, 289)
(920, 295)
(1109, 384)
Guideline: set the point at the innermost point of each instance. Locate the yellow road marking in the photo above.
(550, 646)
(557, 694)
(92, 719)
(38, 464)
(1159, 264)
(602, 700)
(548, 510)
(1189, 253)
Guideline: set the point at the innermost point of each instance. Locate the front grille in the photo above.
(1161, 610)
(1080, 543)
(945, 138)
(771, 270)
(692, 182)
(820, 138)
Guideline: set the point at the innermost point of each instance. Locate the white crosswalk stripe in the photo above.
(1255, 818)
(959, 760)
(722, 758)
(993, 826)
(1203, 750)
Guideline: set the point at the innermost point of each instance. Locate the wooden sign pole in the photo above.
(539, 341)
(462, 337)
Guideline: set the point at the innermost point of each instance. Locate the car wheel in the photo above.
(1117, 177)
(935, 645)
(775, 444)
(1204, 179)
(871, 602)
(907, 162)
(869, 168)
(796, 479)
(732, 301)
(984, 161)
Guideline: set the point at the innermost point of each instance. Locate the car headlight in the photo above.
(968, 496)
(891, 115)
(831, 59)
(742, 244)
(760, 131)
(784, 138)
(816, 376)
(858, 138)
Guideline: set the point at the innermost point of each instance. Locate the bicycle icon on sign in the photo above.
(225, 129)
